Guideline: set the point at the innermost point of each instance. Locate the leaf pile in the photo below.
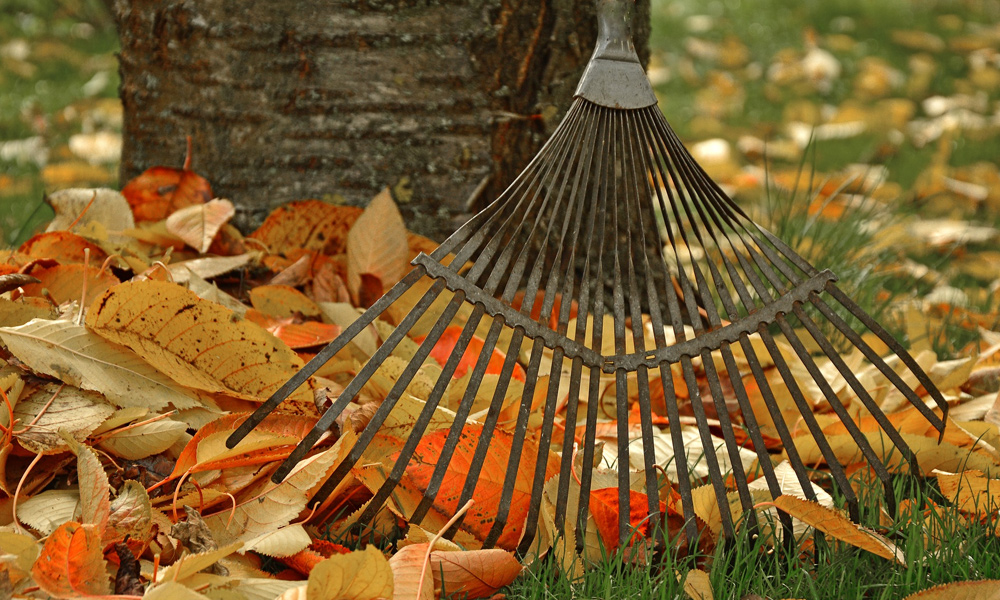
(140, 330)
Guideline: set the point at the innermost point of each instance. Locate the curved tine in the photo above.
(734, 208)
(838, 407)
(389, 402)
(882, 366)
(323, 356)
(634, 203)
(517, 445)
(805, 411)
(618, 159)
(675, 318)
(753, 430)
(569, 444)
(461, 415)
(489, 426)
(737, 383)
(904, 356)
(599, 200)
(859, 389)
(798, 467)
(358, 382)
(566, 265)
(550, 172)
(424, 418)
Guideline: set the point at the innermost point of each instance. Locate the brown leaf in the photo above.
(12, 281)
(72, 563)
(474, 573)
(309, 224)
(127, 580)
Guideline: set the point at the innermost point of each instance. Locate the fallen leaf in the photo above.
(361, 575)
(377, 245)
(190, 564)
(474, 573)
(971, 491)
(697, 585)
(63, 247)
(839, 527)
(985, 589)
(604, 507)
(159, 191)
(95, 504)
(48, 510)
(65, 283)
(78, 207)
(198, 224)
(309, 224)
(282, 542)
(409, 574)
(71, 353)
(197, 343)
(283, 301)
(72, 563)
(141, 441)
(51, 407)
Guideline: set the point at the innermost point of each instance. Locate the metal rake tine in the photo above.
(461, 414)
(904, 356)
(324, 355)
(489, 427)
(805, 411)
(358, 382)
(838, 407)
(420, 426)
(859, 389)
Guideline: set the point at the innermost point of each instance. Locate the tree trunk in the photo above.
(326, 98)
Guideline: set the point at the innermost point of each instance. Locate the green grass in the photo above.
(835, 571)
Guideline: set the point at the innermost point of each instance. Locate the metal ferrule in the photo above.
(614, 77)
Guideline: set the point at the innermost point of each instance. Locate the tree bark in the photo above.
(326, 98)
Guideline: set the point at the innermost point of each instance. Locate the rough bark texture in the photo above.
(319, 98)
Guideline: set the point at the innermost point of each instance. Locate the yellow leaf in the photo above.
(197, 343)
(171, 590)
(131, 513)
(697, 585)
(190, 564)
(377, 245)
(198, 224)
(971, 491)
(359, 575)
(837, 526)
(45, 511)
(284, 541)
(104, 206)
(987, 589)
(79, 357)
(95, 504)
(283, 301)
(141, 441)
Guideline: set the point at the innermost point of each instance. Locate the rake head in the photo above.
(612, 282)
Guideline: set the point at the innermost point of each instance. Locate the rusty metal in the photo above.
(616, 215)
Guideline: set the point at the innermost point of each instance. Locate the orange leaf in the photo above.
(296, 335)
(407, 565)
(309, 224)
(279, 424)
(446, 344)
(604, 507)
(971, 491)
(837, 526)
(479, 519)
(65, 283)
(159, 191)
(474, 573)
(64, 247)
(985, 589)
(72, 563)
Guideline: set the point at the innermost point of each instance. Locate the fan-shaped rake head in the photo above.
(614, 292)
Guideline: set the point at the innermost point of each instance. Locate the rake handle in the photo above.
(614, 77)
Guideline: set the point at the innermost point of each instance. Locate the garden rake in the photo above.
(613, 221)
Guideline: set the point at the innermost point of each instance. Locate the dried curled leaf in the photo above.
(837, 526)
(198, 225)
(377, 246)
(197, 343)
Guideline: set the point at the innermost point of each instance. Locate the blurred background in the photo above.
(866, 132)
